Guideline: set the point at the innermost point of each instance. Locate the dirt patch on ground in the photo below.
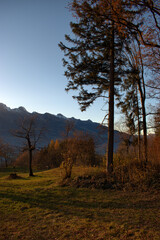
(14, 176)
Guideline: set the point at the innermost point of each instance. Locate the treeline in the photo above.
(80, 149)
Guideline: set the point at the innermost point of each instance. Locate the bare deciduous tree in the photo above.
(31, 133)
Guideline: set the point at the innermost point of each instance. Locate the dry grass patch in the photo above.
(38, 208)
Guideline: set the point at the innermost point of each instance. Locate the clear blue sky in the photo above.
(31, 71)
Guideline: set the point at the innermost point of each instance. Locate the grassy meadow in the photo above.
(39, 208)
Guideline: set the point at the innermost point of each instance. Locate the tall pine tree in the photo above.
(95, 60)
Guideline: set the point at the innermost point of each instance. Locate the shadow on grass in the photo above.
(75, 202)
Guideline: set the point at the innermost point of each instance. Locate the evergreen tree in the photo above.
(95, 60)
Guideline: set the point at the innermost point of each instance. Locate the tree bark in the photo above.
(139, 128)
(143, 98)
(110, 147)
(144, 124)
(144, 132)
(30, 163)
(139, 139)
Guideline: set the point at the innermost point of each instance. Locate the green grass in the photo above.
(38, 208)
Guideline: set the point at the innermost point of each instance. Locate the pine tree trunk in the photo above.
(139, 139)
(30, 163)
(110, 147)
(144, 124)
(143, 98)
(144, 132)
(139, 129)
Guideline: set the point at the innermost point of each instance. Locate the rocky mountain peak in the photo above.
(3, 107)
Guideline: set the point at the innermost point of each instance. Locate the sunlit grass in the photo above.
(38, 208)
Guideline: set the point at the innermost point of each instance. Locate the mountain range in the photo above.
(54, 127)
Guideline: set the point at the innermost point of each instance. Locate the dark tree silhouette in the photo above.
(31, 133)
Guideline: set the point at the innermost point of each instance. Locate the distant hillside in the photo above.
(54, 127)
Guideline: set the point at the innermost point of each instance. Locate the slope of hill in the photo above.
(54, 127)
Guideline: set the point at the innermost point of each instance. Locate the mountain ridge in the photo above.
(54, 125)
